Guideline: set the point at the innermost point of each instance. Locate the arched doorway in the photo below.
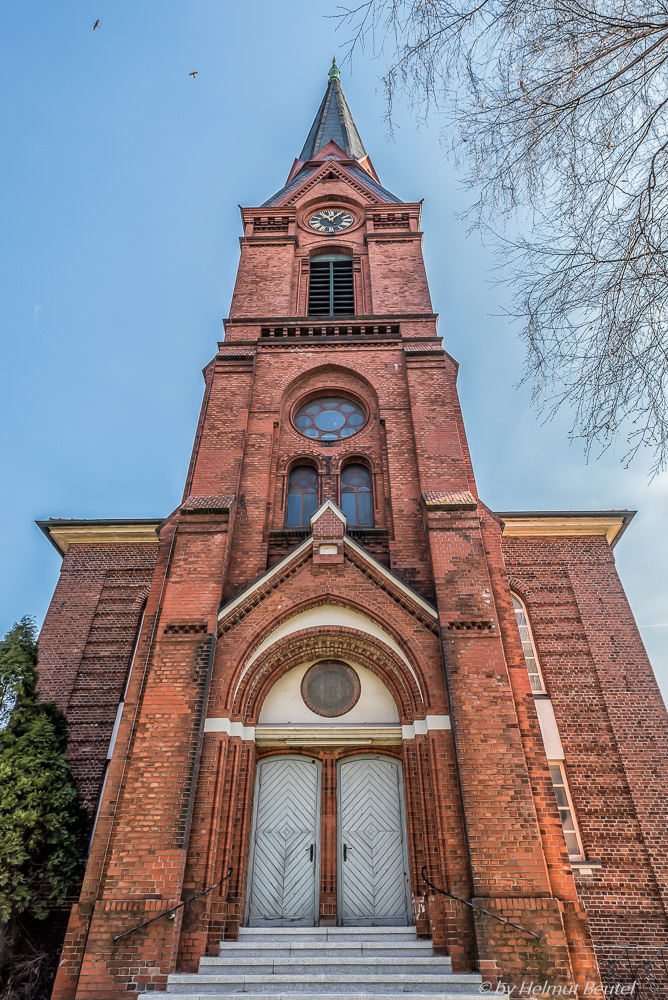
(323, 692)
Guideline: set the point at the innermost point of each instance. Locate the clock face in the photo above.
(331, 220)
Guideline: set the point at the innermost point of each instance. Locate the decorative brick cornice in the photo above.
(336, 344)
(462, 500)
(471, 625)
(422, 349)
(208, 504)
(63, 532)
(523, 524)
(231, 354)
(393, 237)
(185, 627)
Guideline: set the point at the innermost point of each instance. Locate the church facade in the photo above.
(333, 677)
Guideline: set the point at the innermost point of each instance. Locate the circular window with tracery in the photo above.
(329, 418)
(330, 688)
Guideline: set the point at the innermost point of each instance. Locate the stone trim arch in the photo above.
(334, 641)
(247, 654)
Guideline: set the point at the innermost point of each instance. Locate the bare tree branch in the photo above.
(557, 112)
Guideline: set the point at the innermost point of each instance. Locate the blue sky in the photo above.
(121, 179)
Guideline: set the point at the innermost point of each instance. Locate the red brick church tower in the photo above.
(310, 676)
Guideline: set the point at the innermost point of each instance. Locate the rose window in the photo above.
(330, 688)
(329, 418)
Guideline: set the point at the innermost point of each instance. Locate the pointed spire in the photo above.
(333, 122)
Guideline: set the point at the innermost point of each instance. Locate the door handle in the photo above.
(311, 851)
(345, 851)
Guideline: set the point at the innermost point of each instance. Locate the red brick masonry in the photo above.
(481, 811)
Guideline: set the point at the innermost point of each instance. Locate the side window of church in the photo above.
(302, 496)
(529, 647)
(356, 495)
(566, 811)
(330, 290)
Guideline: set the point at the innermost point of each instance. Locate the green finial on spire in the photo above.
(334, 73)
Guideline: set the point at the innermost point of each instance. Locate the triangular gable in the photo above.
(324, 507)
(331, 151)
(409, 599)
(363, 185)
(334, 152)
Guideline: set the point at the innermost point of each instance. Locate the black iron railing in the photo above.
(644, 971)
(474, 906)
(173, 909)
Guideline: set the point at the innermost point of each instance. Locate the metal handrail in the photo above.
(639, 970)
(474, 906)
(173, 909)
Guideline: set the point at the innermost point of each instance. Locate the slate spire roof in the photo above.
(333, 122)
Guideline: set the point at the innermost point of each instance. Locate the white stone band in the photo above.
(422, 726)
(222, 725)
(327, 733)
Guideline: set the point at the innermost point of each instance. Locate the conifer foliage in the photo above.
(43, 824)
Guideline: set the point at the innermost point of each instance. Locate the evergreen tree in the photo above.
(43, 824)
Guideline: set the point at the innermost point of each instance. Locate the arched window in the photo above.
(356, 495)
(331, 289)
(530, 654)
(302, 495)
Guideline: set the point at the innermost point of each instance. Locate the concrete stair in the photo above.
(345, 963)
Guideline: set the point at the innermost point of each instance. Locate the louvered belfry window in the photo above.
(330, 290)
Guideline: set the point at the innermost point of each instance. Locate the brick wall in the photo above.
(613, 728)
(86, 644)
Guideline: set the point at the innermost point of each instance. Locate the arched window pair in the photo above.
(356, 495)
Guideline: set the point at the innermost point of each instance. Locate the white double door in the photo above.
(370, 852)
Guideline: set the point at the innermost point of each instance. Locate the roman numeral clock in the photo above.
(331, 220)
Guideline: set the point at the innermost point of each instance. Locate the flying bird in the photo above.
(193, 75)
(97, 24)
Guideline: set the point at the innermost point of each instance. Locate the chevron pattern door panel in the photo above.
(372, 856)
(286, 843)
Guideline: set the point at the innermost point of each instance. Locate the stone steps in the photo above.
(329, 934)
(292, 965)
(328, 949)
(319, 983)
(305, 963)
